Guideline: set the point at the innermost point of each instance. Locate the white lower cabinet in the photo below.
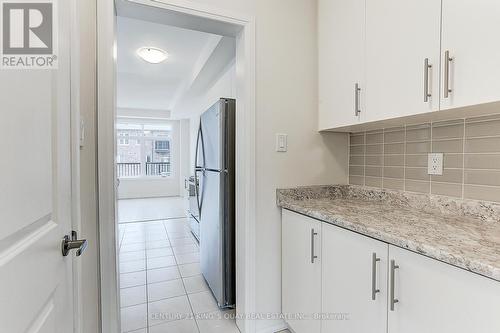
(361, 285)
(354, 282)
(434, 297)
(301, 271)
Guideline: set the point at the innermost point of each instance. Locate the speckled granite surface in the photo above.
(463, 233)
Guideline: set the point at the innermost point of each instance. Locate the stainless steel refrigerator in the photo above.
(214, 168)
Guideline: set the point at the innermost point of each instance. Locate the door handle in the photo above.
(357, 91)
(73, 243)
(392, 299)
(313, 256)
(427, 68)
(447, 61)
(374, 276)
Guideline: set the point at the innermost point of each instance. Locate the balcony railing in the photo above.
(128, 169)
(158, 169)
(135, 169)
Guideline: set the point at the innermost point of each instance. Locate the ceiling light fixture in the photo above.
(152, 55)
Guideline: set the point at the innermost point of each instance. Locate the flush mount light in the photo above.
(152, 55)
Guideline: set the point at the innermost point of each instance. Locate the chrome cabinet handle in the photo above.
(357, 91)
(392, 299)
(73, 243)
(427, 68)
(447, 60)
(313, 233)
(374, 276)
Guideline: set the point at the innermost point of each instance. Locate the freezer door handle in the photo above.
(199, 140)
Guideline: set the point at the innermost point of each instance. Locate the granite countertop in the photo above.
(463, 233)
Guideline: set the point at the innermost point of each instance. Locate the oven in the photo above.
(194, 213)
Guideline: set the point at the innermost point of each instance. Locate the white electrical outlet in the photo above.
(281, 142)
(435, 164)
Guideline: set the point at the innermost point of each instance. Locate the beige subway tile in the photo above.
(397, 136)
(448, 122)
(374, 149)
(485, 128)
(482, 145)
(357, 170)
(448, 146)
(453, 160)
(394, 160)
(482, 161)
(448, 131)
(373, 182)
(394, 129)
(418, 147)
(357, 150)
(394, 148)
(482, 177)
(449, 176)
(488, 193)
(356, 160)
(417, 186)
(357, 139)
(374, 138)
(416, 160)
(394, 172)
(448, 189)
(356, 180)
(394, 184)
(373, 171)
(418, 132)
(417, 174)
(484, 118)
(374, 160)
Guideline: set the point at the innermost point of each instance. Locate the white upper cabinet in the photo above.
(407, 57)
(400, 36)
(341, 42)
(470, 35)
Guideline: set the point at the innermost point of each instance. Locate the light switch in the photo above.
(435, 164)
(281, 142)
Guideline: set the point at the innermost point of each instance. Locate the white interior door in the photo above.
(35, 197)
(469, 29)
(400, 35)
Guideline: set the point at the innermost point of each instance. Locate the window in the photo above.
(143, 149)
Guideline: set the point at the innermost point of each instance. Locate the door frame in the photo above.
(245, 153)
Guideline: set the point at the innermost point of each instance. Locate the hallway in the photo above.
(162, 289)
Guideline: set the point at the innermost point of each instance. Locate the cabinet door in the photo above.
(351, 279)
(341, 29)
(435, 297)
(470, 34)
(400, 35)
(301, 272)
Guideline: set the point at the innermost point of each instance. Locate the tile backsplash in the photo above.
(396, 158)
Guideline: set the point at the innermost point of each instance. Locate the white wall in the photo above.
(286, 90)
(185, 159)
(149, 187)
(194, 105)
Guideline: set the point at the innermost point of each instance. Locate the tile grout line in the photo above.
(183, 284)
(463, 161)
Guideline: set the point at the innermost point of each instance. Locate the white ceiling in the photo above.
(141, 85)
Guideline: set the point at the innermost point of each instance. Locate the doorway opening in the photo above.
(159, 103)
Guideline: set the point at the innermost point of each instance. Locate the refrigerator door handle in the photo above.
(198, 138)
(199, 196)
